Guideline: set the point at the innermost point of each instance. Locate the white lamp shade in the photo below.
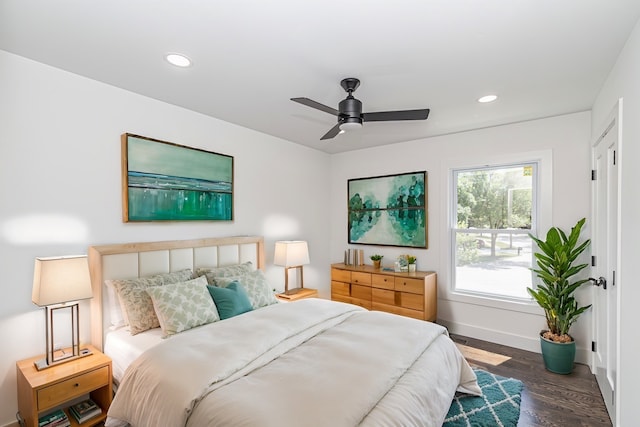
(291, 253)
(61, 279)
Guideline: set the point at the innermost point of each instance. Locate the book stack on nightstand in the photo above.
(85, 410)
(55, 419)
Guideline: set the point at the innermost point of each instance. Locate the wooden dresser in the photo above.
(408, 294)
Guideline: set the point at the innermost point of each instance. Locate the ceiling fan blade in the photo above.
(313, 104)
(332, 132)
(387, 116)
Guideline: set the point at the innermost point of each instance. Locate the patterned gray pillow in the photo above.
(135, 302)
(255, 283)
(226, 271)
(182, 306)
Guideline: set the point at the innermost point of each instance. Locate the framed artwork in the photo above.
(162, 181)
(388, 210)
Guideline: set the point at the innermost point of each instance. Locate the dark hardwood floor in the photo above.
(548, 399)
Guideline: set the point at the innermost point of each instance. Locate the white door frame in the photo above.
(607, 264)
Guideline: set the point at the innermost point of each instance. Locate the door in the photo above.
(605, 250)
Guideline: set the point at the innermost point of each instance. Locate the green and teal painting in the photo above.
(388, 210)
(169, 182)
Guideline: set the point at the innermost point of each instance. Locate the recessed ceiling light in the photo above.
(178, 59)
(488, 98)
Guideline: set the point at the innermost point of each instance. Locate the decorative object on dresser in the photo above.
(291, 254)
(377, 259)
(59, 283)
(408, 294)
(39, 393)
(162, 181)
(388, 210)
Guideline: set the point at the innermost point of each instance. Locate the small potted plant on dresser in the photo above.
(411, 261)
(377, 259)
(556, 268)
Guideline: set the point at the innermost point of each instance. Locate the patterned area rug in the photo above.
(499, 404)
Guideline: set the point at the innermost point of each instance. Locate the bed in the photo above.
(311, 362)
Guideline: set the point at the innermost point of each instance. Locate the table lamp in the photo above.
(59, 283)
(291, 254)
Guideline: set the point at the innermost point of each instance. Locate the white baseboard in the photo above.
(521, 342)
(13, 424)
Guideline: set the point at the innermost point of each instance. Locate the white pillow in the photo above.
(182, 306)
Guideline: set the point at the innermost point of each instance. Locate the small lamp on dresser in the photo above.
(59, 283)
(291, 254)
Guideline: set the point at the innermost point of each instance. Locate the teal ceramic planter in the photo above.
(558, 357)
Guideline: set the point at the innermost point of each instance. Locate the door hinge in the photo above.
(594, 174)
(613, 278)
(614, 157)
(593, 260)
(593, 346)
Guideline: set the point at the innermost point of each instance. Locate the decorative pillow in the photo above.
(135, 303)
(256, 285)
(230, 301)
(226, 271)
(182, 306)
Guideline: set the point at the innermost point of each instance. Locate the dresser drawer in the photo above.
(339, 288)
(415, 286)
(63, 391)
(383, 296)
(360, 278)
(412, 301)
(340, 275)
(362, 292)
(382, 281)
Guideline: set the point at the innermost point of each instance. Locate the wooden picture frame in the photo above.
(163, 181)
(388, 210)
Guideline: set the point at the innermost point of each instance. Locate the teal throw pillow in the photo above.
(230, 301)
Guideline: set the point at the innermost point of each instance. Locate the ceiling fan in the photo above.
(350, 115)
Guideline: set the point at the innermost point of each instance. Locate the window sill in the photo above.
(494, 301)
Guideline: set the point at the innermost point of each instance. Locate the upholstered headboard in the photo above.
(130, 260)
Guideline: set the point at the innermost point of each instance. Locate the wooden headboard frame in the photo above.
(128, 260)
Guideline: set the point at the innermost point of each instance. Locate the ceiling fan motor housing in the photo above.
(350, 110)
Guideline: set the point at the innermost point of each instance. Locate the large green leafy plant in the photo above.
(556, 269)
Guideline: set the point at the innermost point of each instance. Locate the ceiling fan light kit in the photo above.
(350, 115)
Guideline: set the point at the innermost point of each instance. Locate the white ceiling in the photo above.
(542, 57)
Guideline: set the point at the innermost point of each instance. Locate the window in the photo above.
(494, 210)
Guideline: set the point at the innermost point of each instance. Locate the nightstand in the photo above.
(60, 385)
(300, 294)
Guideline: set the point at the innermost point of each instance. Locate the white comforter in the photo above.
(308, 363)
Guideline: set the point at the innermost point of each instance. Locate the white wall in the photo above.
(624, 82)
(566, 138)
(60, 188)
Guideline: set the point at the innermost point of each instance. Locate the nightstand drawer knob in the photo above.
(76, 385)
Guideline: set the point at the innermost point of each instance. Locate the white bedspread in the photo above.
(313, 363)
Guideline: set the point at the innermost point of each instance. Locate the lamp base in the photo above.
(64, 358)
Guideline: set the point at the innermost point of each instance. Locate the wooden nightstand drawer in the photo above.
(63, 391)
(361, 278)
(382, 282)
(340, 275)
(415, 286)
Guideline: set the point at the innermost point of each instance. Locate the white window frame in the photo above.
(544, 161)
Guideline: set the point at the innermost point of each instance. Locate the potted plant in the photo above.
(411, 260)
(376, 258)
(556, 268)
